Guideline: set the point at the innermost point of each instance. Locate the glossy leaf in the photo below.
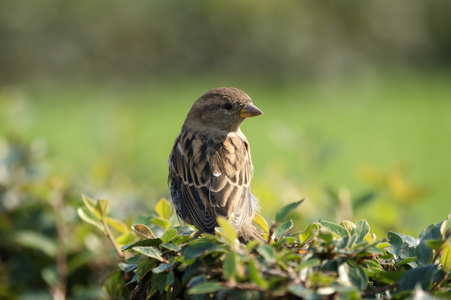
(143, 231)
(201, 248)
(171, 247)
(145, 265)
(149, 251)
(184, 230)
(405, 261)
(144, 243)
(168, 235)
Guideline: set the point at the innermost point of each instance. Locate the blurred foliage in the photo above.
(45, 251)
(283, 41)
(326, 260)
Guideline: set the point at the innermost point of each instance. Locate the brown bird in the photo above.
(210, 164)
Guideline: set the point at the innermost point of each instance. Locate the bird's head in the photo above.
(221, 110)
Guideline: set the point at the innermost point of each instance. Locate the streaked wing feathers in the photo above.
(213, 177)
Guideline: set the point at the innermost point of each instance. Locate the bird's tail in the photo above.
(249, 232)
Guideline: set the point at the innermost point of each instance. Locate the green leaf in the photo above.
(267, 252)
(423, 275)
(361, 229)
(309, 233)
(336, 229)
(143, 231)
(388, 277)
(260, 221)
(201, 248)
(170, 278)
(444, 226)
(284, 211)
(229, 269)
(103, 207)
(312, 262)
(348, 225)
(145, 265)
(125, 239)
(445, 259)
(383, 245)
(50, 276)
(283, 228)
(405, 261)
(89, 203)
(255, 275)
(118, 225)
(168, 235)
(161, 268)
(434, 244)
(303, 292)
(354, 274)
(206, 288)
(228, 231)
(164, 209)
(184, 230)
(37, 241)
(161, 223)
(149, 251)
(89, 217)
(171, 247)
(144, 243)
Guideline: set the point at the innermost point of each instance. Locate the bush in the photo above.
(160, 259)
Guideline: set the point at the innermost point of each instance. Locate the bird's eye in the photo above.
(227, 106)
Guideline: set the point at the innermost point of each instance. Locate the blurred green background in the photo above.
(356, 99)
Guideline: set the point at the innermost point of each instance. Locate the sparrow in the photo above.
(210, 166)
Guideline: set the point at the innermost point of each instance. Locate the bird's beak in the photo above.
(249, 111)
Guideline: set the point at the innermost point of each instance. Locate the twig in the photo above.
(381, 289)
(56, 202)
(110, 236)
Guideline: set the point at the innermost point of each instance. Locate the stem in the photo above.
(110, 236)
(382, 289)
(56, 202)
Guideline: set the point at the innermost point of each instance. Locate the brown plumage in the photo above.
(210, 164)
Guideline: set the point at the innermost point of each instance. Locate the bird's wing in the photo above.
(230, 186)
(210, 178)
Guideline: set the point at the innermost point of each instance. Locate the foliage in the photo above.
(163, 260)
(44, 251)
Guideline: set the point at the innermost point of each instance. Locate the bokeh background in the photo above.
(357, 117)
